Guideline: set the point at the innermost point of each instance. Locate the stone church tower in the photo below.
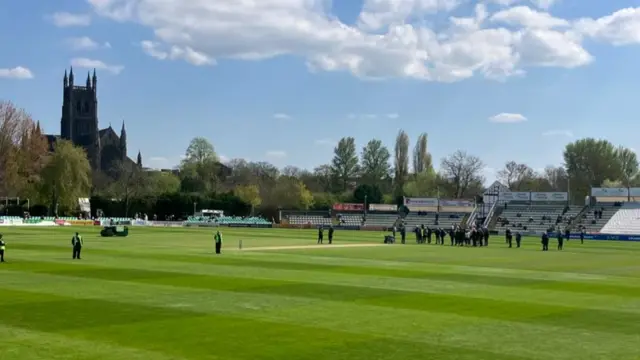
(79, 124)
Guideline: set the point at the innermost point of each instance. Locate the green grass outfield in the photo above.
(161, 294)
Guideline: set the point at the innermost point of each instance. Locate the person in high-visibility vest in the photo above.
(76, 242)
(2, 248)
(218, 239)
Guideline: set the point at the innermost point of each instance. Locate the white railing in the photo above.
(490, 214)
(472, 217)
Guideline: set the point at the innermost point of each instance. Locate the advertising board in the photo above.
(454, 203)
(610, 192)
(515, 196)
(348, 207)
(549, 196)
(420, 202)
(383, 207)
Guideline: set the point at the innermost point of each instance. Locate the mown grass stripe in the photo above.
(480, 291)
(416, 326)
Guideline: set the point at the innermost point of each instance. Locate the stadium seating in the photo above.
(385, 220)
(592, 224)
(535, 218)
(445, 220)
(349, 219)
(228, 220)
(624, 221)
(309, 220)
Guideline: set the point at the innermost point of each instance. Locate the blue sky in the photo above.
(283, 80)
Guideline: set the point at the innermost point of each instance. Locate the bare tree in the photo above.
(462, 170)
(401, 162)
(516, 176)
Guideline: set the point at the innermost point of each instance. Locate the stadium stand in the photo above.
(349, 219)
(535, 218)
(442, 220)
(595, 224)
(624, 221)
(228, 220)
(309, 220)
(384, 220)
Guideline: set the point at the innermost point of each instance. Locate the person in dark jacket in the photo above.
(518, 238)
(582, 236)
(545, 241)
(218, 240)
(560, 240)
(320, 234)
(2, 248)
(330, 234)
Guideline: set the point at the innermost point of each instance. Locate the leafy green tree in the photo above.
(375, 167)
(371, 193)
(250, 194)
(66, 177)
(200, 168)
(291, 193)
(628, 163)
(421, 157)
(425, 184)
(345, 162)
(161, 183)
(401, 163)
(589, 162)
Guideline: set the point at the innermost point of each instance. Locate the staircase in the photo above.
(575, 224)
(492, 219)
(465, 220)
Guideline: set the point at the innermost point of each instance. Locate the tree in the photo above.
(290, 193)
(462, 171)
(19, 142)
(401, 162)
(370, 193)
(325, 178)
(66, 177)
(200, 168)
(589, 163)
(200, 151)
(557, 178)
(345, 162)
(132, 182)
(375, 162)
(421, 157)
(162, 183)
(628, 163)
(516, 176)
(250, 194)
(424, 184)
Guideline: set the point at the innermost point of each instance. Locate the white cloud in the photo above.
(391, 39)
(566, 133)
(65, 19)
(372, 116)
(526, 17)
(86, 43)
(281, 116)
(276, 154)
(325, 142)
(186, 53)
(18, 72)
(620, 28)
(542, 4)
(96, 64)
(507, 118)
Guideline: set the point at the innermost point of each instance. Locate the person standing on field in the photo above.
(320, 234)
(2, 248)
(218, 239)
(330, 234)
(76, 242)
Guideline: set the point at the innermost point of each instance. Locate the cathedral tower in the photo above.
(79, 122)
